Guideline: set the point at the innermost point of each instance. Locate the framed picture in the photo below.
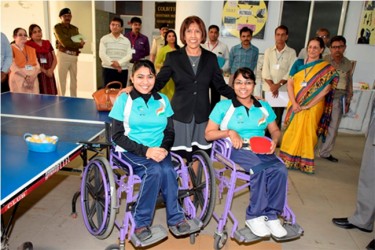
(366, 29)
(238, 14)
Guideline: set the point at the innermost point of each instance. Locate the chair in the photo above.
(104, 181)
(228, 177)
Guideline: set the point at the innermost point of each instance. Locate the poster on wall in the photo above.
(238, 14)
(366, 30)
(165, 12)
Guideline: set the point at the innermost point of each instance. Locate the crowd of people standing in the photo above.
(315, 84)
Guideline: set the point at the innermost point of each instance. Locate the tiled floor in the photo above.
(44, 216)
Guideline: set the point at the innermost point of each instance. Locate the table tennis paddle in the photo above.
(260, 144)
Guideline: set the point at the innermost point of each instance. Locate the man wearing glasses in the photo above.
(325, 35)
(343, 93)
(115, 54)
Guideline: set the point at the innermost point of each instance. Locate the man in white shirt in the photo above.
(222, 52)
(158, 42)
(275, 71)
(325, 35)
(115, 53)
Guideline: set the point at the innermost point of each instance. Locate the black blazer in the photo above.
(191, 97)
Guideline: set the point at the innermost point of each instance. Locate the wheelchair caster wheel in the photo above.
(113, 247)
(26, 246)
(192, 239)
(220, 240)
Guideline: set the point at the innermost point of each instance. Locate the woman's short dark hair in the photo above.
(175, 42)
(185, 25)
(15, 31)
(144, 63)
(32, 27)
(320, 41)
(247, 73)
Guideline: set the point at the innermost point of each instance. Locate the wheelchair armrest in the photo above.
(94, 145)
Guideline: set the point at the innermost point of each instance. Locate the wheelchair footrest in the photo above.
(294, 232)
(245, 235)
(195, 226)
(158, 234)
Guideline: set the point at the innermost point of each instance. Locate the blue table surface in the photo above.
(52, 107)
(79, 121)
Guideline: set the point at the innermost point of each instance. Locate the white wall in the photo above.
(16, 14)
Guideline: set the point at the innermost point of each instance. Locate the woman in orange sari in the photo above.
(310, 89)
(23, 77)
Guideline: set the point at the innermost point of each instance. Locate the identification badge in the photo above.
(43, 60)
(133, 51)
(276, 66)
(29, 67)
(303, 84)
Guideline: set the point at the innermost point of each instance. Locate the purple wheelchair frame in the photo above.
(102, 178)
(221, 151)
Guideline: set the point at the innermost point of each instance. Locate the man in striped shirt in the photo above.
(115, 53)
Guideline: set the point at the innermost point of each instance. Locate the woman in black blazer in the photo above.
(193, 69)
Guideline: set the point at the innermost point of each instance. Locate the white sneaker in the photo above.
(276, 228)
(258, 226)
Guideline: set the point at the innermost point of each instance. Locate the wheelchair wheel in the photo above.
(203, 186)
(98, 198)
(220, 240)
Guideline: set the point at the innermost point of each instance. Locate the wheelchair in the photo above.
(108, 183)
(221, 151)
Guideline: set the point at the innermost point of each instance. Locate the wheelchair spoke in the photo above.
(98, 202)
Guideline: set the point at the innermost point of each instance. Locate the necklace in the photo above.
(195, 61)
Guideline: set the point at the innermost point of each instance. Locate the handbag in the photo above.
(105, 98)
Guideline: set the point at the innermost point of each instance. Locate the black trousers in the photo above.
(110, 75)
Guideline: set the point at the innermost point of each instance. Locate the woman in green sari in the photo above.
(310, 89)
(170, 44)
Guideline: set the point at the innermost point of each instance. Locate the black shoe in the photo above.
(183, 227)
(331, 158)
(344, 223)
(143, 233)
(371, 245)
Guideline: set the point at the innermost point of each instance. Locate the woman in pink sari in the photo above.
(47, 60)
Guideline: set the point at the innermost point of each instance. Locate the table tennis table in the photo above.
(71, 119)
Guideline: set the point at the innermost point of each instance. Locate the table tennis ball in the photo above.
(28, 138)
(42, 136)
